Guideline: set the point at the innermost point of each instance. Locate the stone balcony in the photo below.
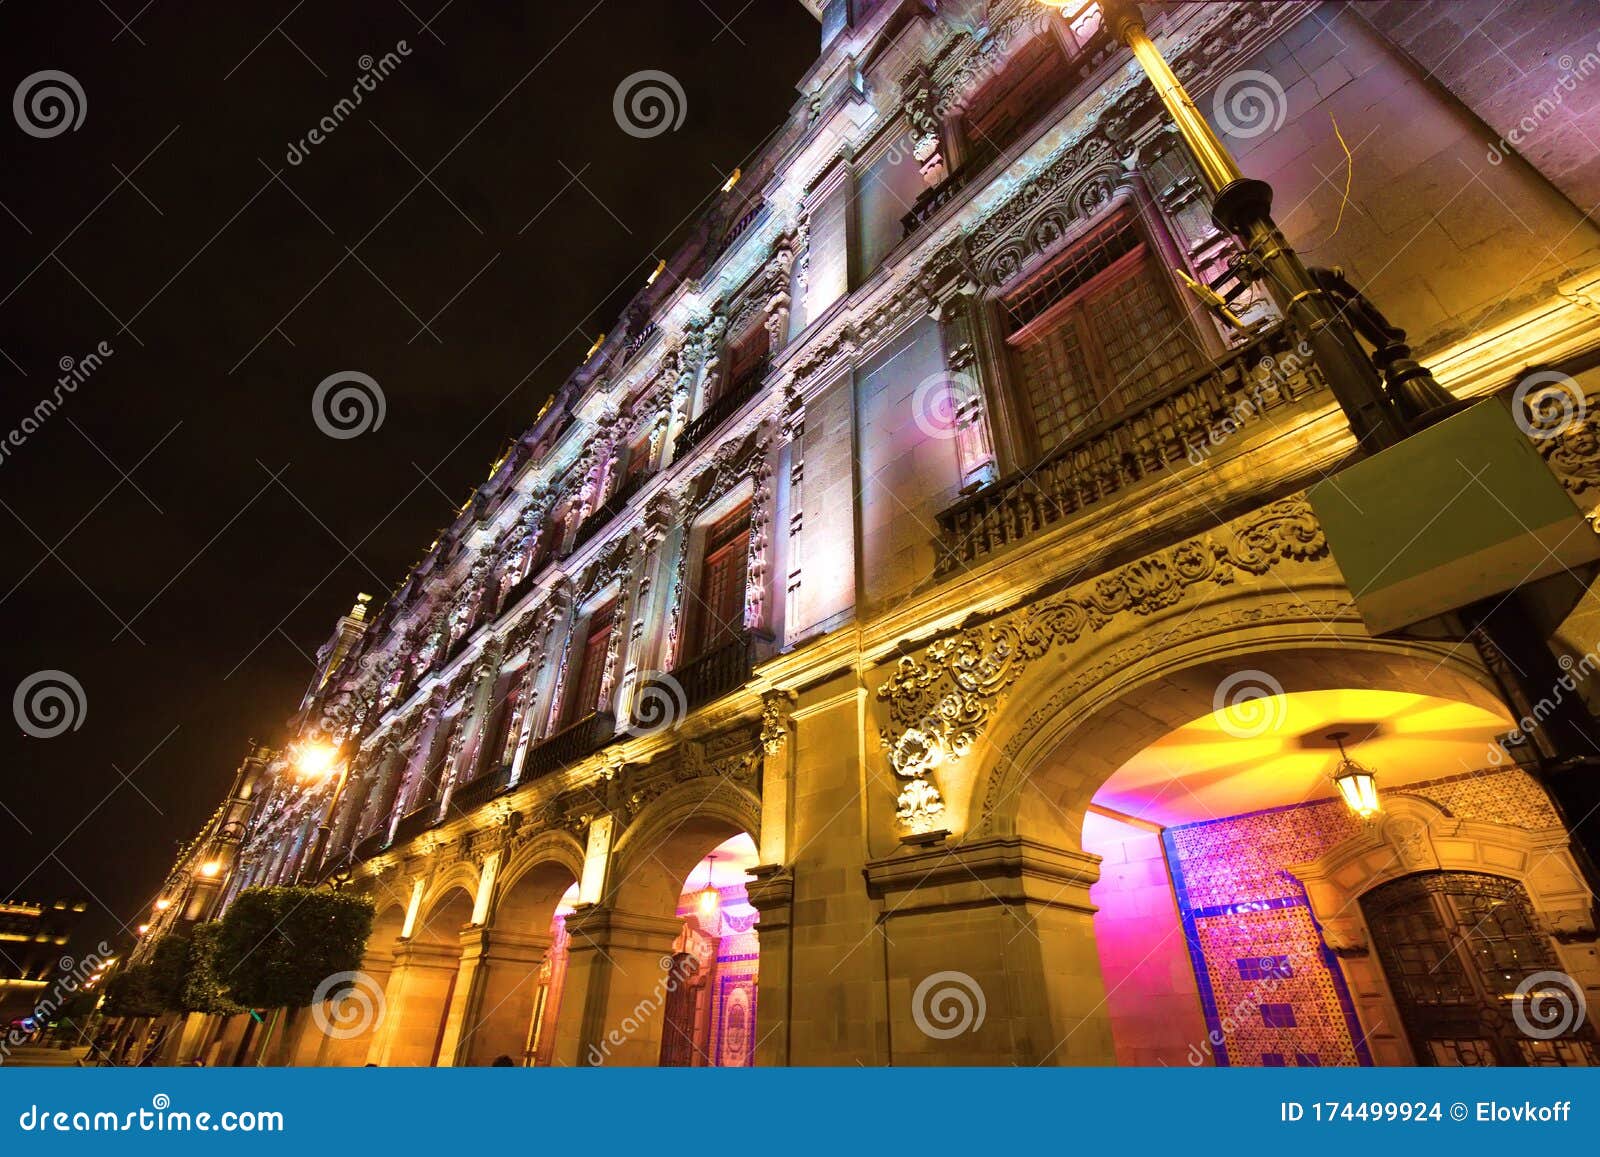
(1183, 423)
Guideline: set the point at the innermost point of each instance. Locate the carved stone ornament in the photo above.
(940, 702)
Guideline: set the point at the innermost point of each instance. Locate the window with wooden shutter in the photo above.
(1096, 333)
(717, 614)
(584, 698)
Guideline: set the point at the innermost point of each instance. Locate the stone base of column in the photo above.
(991, 957)
(614, 1000)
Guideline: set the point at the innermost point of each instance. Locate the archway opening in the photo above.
(423, 980)
(515, 967)
(1209, 951)
(710, 1012)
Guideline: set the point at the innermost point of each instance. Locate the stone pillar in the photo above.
(772, 894)
(990, 955)
(417, 997)
(614, 999)
(492, 1003)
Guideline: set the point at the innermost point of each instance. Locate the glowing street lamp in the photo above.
(210, 869)
(163, 904)
(1357, 785)
(315, 762)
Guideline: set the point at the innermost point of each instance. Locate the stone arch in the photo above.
(358, 1015)
(1063, 732)
(651, 972)
(505, 964)
(422, 985)
(654, 853)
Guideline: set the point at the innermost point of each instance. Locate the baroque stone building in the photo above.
(907, 639)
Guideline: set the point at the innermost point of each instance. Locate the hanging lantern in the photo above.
(708, 901)
(1357, 785)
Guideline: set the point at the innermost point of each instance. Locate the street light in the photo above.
(315, 762)
(1357, 785)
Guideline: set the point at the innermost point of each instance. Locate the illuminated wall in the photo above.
(1268, 991)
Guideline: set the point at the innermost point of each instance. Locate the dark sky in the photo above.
(179, 536)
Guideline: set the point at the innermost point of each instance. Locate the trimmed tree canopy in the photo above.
(276, 945)
(203, 990)
(130, 992)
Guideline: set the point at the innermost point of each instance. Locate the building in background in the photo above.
(34, 939)
(907, 639)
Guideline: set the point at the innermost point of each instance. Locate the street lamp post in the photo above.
(1323, 305)
(317, 761)
(1243, 206)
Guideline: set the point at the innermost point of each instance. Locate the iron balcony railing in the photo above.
(569, 745)
(730, 402)
(1185, 421)
(607, 510)
(481, 790)
(414, 823)
(710, 676)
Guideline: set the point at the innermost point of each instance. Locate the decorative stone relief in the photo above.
(940, 703)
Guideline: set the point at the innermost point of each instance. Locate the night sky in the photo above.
(179, 536)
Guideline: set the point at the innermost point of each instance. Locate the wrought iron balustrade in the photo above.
(637, 341)
(1185, 421)
(417, 821)
(607, 510)
(728, 403)
(481, 790)
(710, 676)
(372, 844)
(569, 745)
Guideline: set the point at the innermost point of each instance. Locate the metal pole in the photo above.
(1243, 206)
(319, 842)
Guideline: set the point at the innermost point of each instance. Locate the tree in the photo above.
(131, 992)
(167, 970)
(277, 945)
(202, 990)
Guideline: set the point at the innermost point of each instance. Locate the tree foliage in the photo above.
(203, 989)
(130, 991)
(276, 945)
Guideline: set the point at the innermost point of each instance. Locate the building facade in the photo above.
(34, 937)
(906, 639)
